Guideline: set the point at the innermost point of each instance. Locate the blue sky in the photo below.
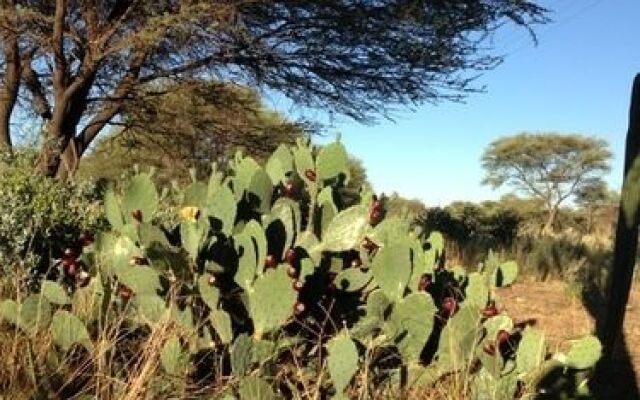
(576, 80)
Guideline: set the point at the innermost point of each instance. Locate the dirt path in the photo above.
(554, 308)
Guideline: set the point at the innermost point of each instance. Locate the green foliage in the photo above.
(343, 361)
(40, 217)
(252, 290)
(548, 166)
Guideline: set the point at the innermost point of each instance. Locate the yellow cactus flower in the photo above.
(190, 214)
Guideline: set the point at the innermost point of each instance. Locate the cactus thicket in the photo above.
(260, 266)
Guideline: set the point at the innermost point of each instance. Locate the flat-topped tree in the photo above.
(79, 62)
(548, 166)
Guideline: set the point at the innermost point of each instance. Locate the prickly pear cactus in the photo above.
(342, 362)
(259, 266)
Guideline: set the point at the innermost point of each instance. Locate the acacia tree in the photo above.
(593, 197)
(177, 129)
(75, 63)
(547, 166)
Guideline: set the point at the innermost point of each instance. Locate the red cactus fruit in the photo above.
(310, 174)
(297, 285)
(126, 293)
(82, 279)
(425, 283)
(290, 256)
(490, 311)
(85, 238)
(137, 215)
(502, 336)
(449, 305)
(292, 272)
(490, 349)
(270, 261)
(290, 190)
(299, 307)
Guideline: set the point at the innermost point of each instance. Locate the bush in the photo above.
(244, 297)
(40, 217)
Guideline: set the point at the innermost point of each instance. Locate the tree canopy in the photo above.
(188, 127)
(548, 166)
(76, 64)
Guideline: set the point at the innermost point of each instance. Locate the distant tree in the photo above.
(401, 206)
(550, 167)
(77, 63)
(591, 197)
(188, 127)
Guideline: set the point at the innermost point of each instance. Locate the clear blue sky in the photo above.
(577, 80)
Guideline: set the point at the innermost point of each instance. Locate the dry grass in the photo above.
(551, 306)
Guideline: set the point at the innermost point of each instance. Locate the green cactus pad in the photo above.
(392, 268)
(347, 230)
(307, 268)
(87, 301)
(209, 294)
(67, 330)
(390, 228)
(195, 195)
(151, 309)
(410, 324)
(193, 235)
(140, 194)
(151, 235)
(303, 161)
(332, 161)
(260, 189)
(221, 322)
(419, 376)
(254, 388)
(365, 329)
(419, 262)
(271, 300)
(254, 230)
(55, 293)
(436, 242)
(247, 262)
(112, 209)
(459, 337)
(221, 204)
(531, 351)
(262, 351)
(286, 212)
(352, 279)
(241, 355)
(476, 291)
(505, 274)
(32, 315)
(173, 357)
(310, 243)
(496, 324)
(140, 279)
(245, 169)
(377, 305)
(343, 361)
(584, 353)
(279, 164)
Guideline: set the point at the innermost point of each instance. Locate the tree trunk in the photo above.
(9, 88)
(626, 241)
(551, 220)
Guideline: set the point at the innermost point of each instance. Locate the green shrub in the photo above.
(244, 297)
(40, 217)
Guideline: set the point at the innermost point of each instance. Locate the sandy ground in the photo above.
(559, 311)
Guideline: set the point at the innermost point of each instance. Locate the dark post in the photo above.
(626, 241)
